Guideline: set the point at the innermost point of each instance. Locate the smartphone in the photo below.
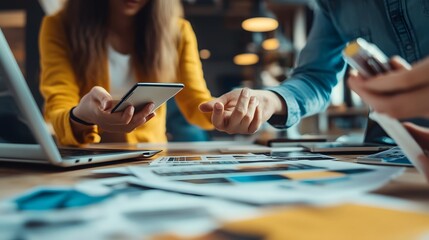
(369, 61)
(366, 58)
(143, 93)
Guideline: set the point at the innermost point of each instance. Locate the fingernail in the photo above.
(150, 116)
(218, 106)
(353, 72)
(151, 107)
(403, 62)
(246, 92)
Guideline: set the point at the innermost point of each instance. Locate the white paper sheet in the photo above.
(254, 148)
(207, 159)
(234, 159)
(270, 183)
(115, 170)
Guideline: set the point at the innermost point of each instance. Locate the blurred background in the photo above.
(252, 43)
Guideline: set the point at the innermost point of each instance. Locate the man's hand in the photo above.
(243, 111)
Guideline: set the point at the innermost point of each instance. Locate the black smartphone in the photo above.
(143, 93)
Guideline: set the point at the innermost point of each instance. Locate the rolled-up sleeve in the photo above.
(320, 66)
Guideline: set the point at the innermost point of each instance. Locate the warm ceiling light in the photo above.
(205, 54)
(246, 59)
(271, 44)
(260, 24)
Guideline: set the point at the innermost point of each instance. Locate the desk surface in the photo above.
(17, 178)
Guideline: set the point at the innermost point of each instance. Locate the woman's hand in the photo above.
(402, 93)
(95, 107)
(243, 111)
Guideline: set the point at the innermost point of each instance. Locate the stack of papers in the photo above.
(197, 196)
(258, 179)
(236, 159)
(270, 183)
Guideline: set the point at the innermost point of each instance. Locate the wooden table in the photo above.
(17, 178)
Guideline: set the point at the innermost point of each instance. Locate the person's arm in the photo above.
(307, 92)
(190, 73)
(319, 69)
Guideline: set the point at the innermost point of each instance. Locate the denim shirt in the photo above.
(397, 27)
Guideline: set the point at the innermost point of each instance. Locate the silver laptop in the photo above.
(44, 150)
(375, 140)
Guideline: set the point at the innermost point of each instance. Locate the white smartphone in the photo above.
(369, 60)
(366, 58)
(143, 93)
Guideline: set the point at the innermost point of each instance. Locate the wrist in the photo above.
(274, 101)
(76, 118)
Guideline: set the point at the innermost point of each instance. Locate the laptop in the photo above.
(408, 146)
(375, 140)
(43, 150)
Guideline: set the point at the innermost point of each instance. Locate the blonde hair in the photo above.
(156, 39)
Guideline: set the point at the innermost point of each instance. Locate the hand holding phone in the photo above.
(94, 108)
(369, 61)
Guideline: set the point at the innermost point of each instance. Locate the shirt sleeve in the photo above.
(58, 85)
(320, 66)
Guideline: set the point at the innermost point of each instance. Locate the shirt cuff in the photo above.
(89, 136)
(293, 111)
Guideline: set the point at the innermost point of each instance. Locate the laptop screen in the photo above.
(20, 117)
(375, 134)
(13, 126)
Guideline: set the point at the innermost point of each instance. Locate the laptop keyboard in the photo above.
(71, 152)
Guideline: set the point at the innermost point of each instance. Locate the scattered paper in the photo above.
(235, 159)
(270, 183)
(134, 213)
(254, 148)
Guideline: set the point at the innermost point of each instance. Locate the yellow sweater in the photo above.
(61, 92)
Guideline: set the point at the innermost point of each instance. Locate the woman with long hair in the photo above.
(93, 51)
